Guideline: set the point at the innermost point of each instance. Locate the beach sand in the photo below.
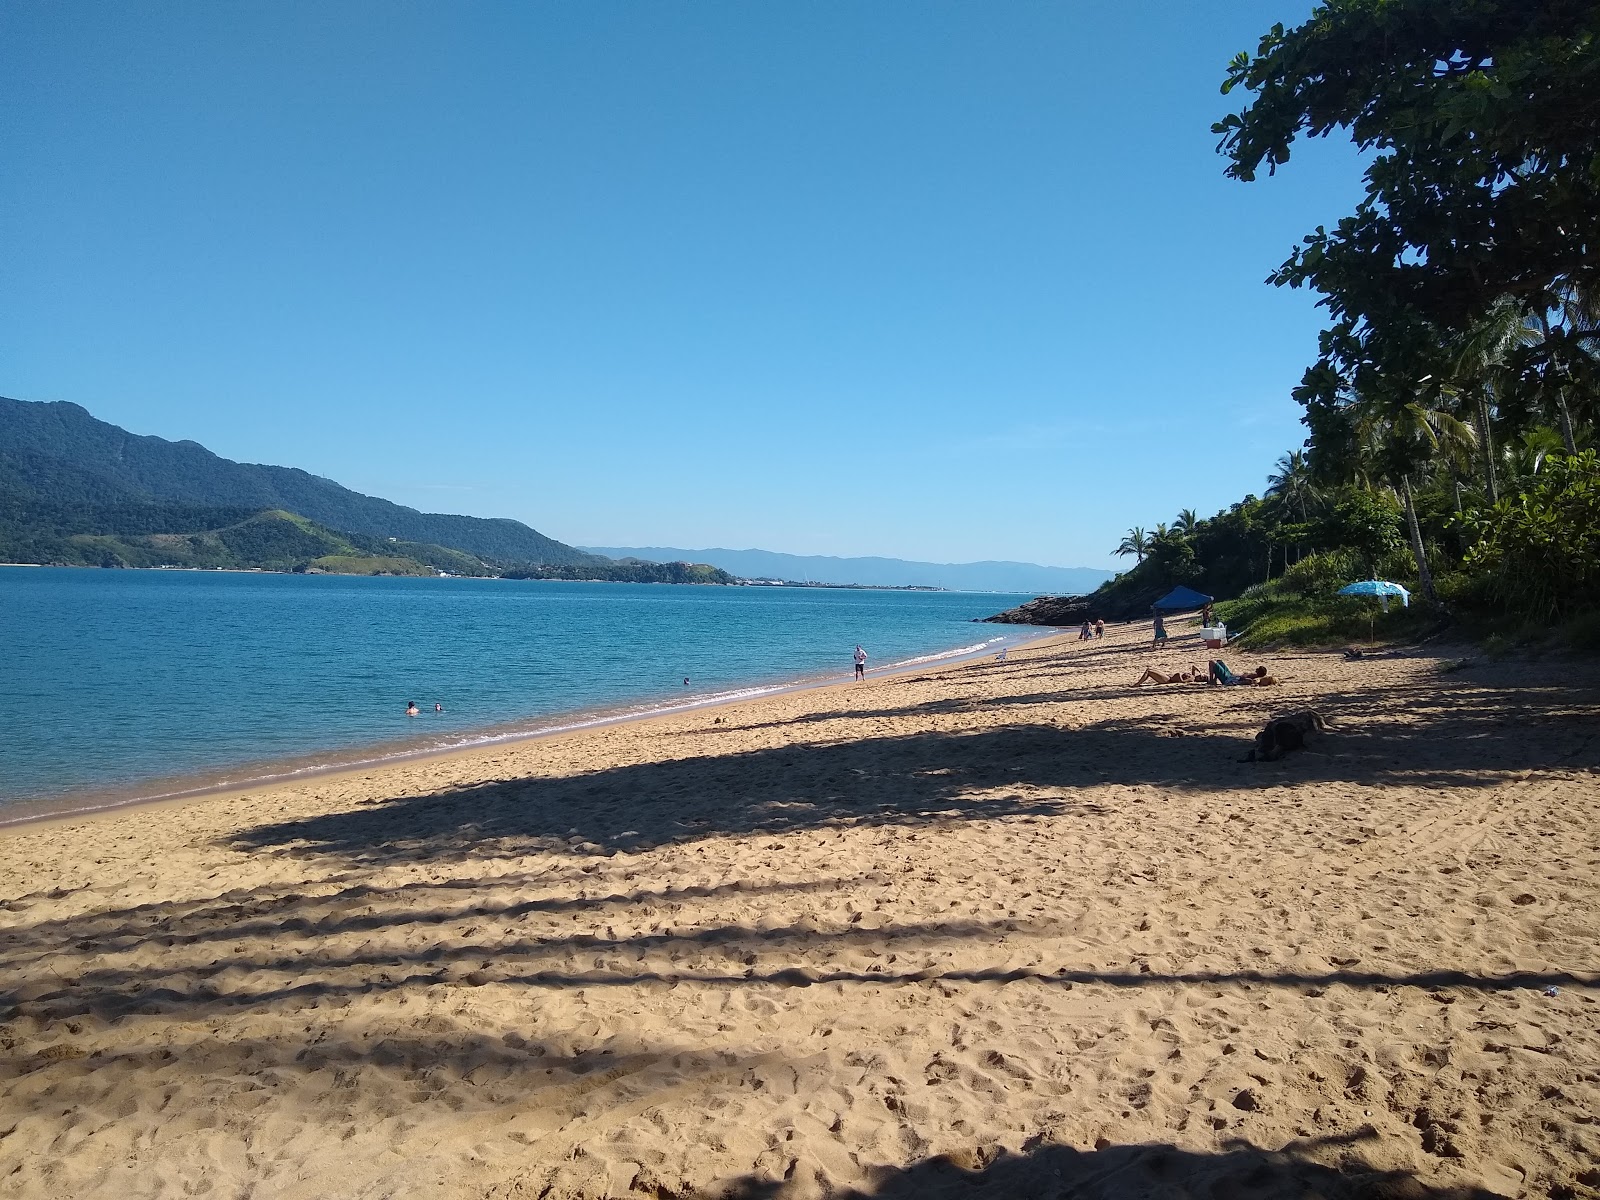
(1002, 929)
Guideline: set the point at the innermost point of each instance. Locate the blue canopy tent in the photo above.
(1181, 599)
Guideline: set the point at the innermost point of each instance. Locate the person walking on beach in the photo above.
(861, 663)
(1099, 628)
(1160, 632)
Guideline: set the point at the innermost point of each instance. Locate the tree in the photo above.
(1540, 552)
(1187, 522)
(1481, 211)
(1137, 543)
(1367, 522)
(1482, 126)
(1482, 373)
(1293, 483)
(1405, 434)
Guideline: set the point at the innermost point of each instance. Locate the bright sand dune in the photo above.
(1010, 929)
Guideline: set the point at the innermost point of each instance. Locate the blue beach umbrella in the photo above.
(1380, 588)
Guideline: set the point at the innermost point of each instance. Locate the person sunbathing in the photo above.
(1192, 675)
(1217, 672)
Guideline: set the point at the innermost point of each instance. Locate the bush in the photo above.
(1583, 633)
(1399, 565)
(1539, 552)
(1322, 574)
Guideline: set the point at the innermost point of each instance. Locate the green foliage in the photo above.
(1323, 573)
(1481, 123)
(1277, 614)
(140, 534)
(1582, 633)
(626, 571)
(1367, 523)
(358, 564)
(1539, 551)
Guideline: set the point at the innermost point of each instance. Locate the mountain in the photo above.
(880, 572)
(120, 533)
(61, 454)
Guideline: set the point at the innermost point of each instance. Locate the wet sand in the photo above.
(1000, 929)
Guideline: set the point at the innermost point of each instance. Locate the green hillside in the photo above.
(186, 535)
(75, 491)
(63, 454)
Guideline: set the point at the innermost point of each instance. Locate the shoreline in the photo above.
(264, 774)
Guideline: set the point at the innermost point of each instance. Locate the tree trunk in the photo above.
(1486, 440)
(1564, 414)
(1424, 576)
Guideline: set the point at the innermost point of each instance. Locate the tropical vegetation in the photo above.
(1452, 406)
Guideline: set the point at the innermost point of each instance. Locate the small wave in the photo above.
(959, 652)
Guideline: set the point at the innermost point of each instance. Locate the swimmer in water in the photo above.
(437, 707)
(411, 708)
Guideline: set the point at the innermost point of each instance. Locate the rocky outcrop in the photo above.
(1075, 610)
(1047, 610)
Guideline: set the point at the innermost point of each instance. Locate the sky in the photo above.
(942, 281)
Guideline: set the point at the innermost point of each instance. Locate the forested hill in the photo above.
(66, 456)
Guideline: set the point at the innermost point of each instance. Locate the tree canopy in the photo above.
(1483, 121)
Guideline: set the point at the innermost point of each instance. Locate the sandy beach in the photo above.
(1001, 929)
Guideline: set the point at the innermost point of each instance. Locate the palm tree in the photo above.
(1187, 522)
(1401, 434)
(1137, 543)
(1569, 349)
(1525, 457)
(1293, 484)
(1482, 373)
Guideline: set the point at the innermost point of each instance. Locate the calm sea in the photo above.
(122, 684)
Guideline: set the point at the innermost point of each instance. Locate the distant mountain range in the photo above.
(879, 572)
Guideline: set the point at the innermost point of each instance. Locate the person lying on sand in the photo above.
(1192, 675)
(1217, 672)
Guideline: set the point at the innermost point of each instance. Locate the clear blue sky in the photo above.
(931, 280)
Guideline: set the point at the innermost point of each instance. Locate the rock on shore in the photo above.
(1046, 610)
(1112, 604)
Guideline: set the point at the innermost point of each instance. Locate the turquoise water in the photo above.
(122, 684)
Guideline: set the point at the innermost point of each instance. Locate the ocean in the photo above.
(122, 685)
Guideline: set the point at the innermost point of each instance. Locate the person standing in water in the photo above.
(411, 708)
(861, 663)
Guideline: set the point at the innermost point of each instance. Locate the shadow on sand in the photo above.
(940, 775)
(1315, 1169)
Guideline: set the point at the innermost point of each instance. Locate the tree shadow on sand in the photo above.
(268, 948)
(1314, 1169)
(1466, 738)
